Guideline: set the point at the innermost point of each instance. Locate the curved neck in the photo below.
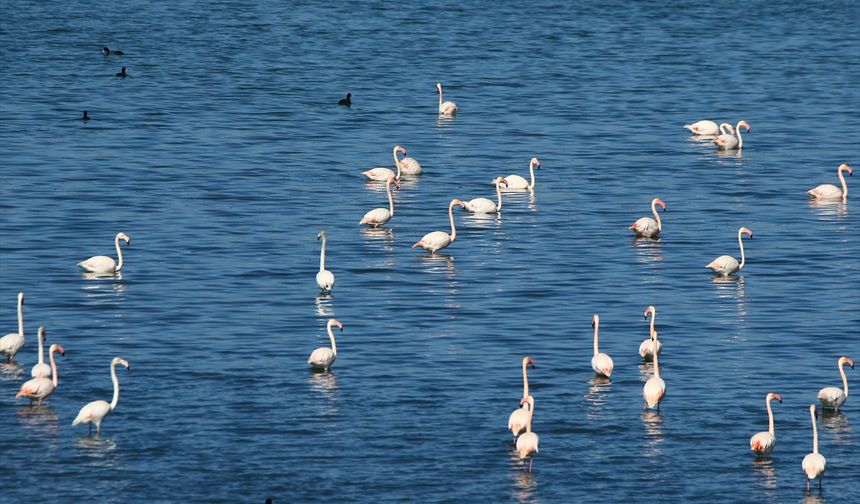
(499, 196)
(844, 185)
(322, 254)
(656, 363)
(525, 380)
(596, 327)
(118, 253)
(390, 199)
(814, 432)
(54, 369)
(451, 218)
(769, 416)
(656, 215)
(396, 163)
(653, 318)
(740, 138)
(440, 97)
(113, 377)
(531, 414)
(844, 379)
(331, 338)
(40, 335)
(741, 244)
(21, 317)
(531, 175)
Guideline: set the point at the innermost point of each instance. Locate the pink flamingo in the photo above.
(519, 418)
(814, 463)
(732, 142)
(646, 227)
(486, 205)
(726, 265)
(527, 444)
(382, 174)
(655, 388)
(38, 389)
(105, 264)
(437, 240)
(13, 342)
(325, 278)
(703, 128)
(379, 216)
(515, 182)
(40, 369)
(601, 363)
(447, 108)
(96, 411)
(322, 358)
(830, 191)
(762, 443)
(646, 348)
(409, 166)
(833, 397)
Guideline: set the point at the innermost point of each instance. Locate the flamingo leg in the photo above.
(531, 461)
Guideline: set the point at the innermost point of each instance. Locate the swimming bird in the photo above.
(486, 205)
(646, 348)
(732, 142)
(437, 240)
(121, 73)
(38, 389)
(346, 101)
(108, 52)
(830, 191)
(379, 216)
(527, 443)
(41, 369)
(105, 264)
(96, 411)
(646, 227)
(13, 342)
(515, 182)
(408, 165)
(726, 265)
(833, 397)
(85, 117)
(520, 416)
(382, 174)
(325, 278)
(762, 443)
(814, 463)
(601, 363)
(322, 358)
(704, 128)
(655, 388)
(447, 108)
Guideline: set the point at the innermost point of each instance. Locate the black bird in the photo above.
(121, 73)
(346, 101)
(106, 50)
(85, 117)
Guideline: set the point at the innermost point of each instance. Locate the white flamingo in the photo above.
(447, 108)
(325, 278)
(105, 264)
(646, 348)
(13, 342)
(732, 142)
(601, 363)
(834, 397)
(96, 411)
(41, 369)
(409, 166)
(646, 227)
(38, 389)
(814, 463)
(830, 191)
(322, 358)
(655, 388)
(379, 216)
(762, 443)
(437, 240)
(703, 128)
(527, 443)
(520, 416)
(515, 182)
(726, 265)
(486, 205)
(382, 174)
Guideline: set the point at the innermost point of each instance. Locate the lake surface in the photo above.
(224, 153)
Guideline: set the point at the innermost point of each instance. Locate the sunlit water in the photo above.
(223, 154)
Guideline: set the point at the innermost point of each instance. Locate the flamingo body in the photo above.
(36, 389)
(105, 264)
(732, 142)
(434, 241)
(447, 108)
(654, 391)
(646, 349)
(725, 265)
(830, 191)
(646, 227)
(834, 397)
(518, 183)
(11, 343)
(322, 358)
(813, 465)
(41, 369)
(376, 217)
(527, 445)
(602, 364)
(518, 420)
(380, 174)
(480, 205)
(704, 127)
(762, 443)
(325, 280)
(409, 166)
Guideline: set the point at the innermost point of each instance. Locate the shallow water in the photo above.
(223, 154)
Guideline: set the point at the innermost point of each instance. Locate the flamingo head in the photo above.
(500, 181)
(650, 310)
(846, 360)
(438, 87)
(336, 322)
(536, 162)
(457, 202)
(595, 320)
(120, 360)
(746, 231)
(660, 202)
(20, 298)
(394, 181)
(847, 168)
(744, 124)
(322, 234)
(41, 332)
(124, 237)
(529, 362)
(776, 396)
(57, 348)
(400, 149)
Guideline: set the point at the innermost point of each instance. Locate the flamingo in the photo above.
(762, 443)
(96, 411)
(325, 278)
(322, 358)
(38, 389)
(646, 348)
(447, 108)
(655, 388)
(646, 227)
(601, 363)
(382, 174)
(814, 463)
(703, 128)
(41, 370)
(379, 216)
(105, 264)
(730, 141)
(515, 182)
(833, 397)
(520, 417)
(485, 205)
(830, 191)
(726, 265)
(527, 444)
(13, 342)
(437, 240)
(408, 165)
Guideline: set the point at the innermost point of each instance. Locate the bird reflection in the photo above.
(11, 371)
(809, 498)
(731, 288)
(483, 220)
(380, 234)
(826, 209)
(101, 451)
(112, 284)
(439, 263)
(837, 423)
(445, 121)
(765, 472)
(39, 418)
(325, 385)
(648, 251)
(646, 369)
(653, 423)
(526, 486)
(325, 305)
(702, 138)
(595, 397)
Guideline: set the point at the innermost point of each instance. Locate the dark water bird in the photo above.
(346, 101)
(85, 117)
(121, 73)
(107, 52)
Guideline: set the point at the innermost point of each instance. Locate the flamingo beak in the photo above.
(532, 363)
(778, 398)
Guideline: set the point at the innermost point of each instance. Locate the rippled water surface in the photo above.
(224, 153)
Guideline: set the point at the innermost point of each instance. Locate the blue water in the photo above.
(224, 153)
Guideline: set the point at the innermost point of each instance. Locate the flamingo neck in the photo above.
(740, 137)
(531, 176)
(596, 345)
(656, 215)
(21, 317)
(653, 318)
(741, 244)
(322, 255)
(814, 431)
(390, 200)
(396, 163)
(499, 196)
(769, 415)
(451, 218)
(54, 369)
(118, 253)
(41, 348)
(844, 379)
(844, 185)
(113, 377)
(656, 362)
(331, 338)
(440, 98)
(525, 380)
(531, 405)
